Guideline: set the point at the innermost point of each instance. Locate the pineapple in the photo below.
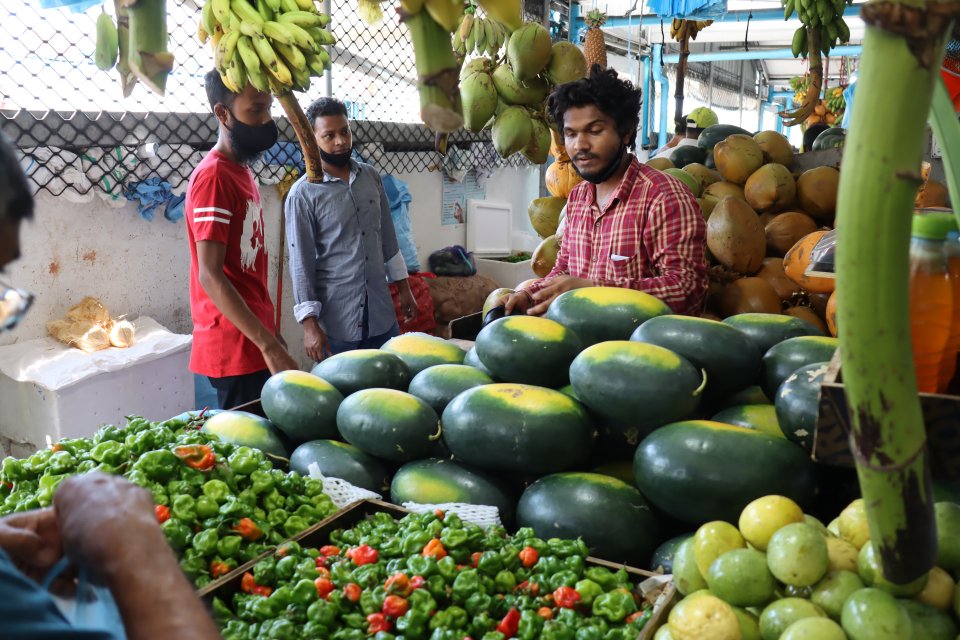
(594, 47)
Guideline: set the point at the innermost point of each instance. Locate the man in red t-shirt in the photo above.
(235, 342)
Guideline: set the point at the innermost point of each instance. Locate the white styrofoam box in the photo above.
(48, 389)
(489, 228)
(507, 274)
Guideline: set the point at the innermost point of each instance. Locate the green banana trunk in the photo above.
(304, 130)
(878, 181)
(439, 73)
(148, 56)
(127, 79)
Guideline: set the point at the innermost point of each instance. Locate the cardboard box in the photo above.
(507, 274)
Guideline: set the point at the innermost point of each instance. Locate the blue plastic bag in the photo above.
(848, 110)
(689, 9)
(77, 6)
(95, 608)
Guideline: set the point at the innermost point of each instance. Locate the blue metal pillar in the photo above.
(660, 77)
(757, 54)
(645, 109)
(575, 22)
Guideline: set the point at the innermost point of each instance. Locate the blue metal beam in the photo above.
(761, 15)
(661, 77)
(575, 23)
(756, 54)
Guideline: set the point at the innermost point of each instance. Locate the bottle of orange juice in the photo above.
(931, 297)
(948, 366)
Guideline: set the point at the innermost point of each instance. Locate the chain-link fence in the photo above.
(79, 135)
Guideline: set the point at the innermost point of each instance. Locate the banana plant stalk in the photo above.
(946, 127)
(681, 74)
(127, 79)
(304, 131)
(147, 56)
(879, 177)
(438, 73)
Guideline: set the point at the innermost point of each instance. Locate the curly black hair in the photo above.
(325, 107)
(16, 201)
(615, 97)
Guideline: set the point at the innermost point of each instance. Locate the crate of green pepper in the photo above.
(220, 505)
(376, 570)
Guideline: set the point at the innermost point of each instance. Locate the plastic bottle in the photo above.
(948, 366)
(931, 297)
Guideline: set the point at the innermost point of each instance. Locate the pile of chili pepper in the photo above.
(432, 577)
(219, 504)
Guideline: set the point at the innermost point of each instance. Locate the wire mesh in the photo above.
(79, 136)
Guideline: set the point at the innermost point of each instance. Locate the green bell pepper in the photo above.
(205, 542)
(481, 624)
(207, 507)
(530, 625)
(307, 569)
(371, 600)
(417, 565)
(505, 582)
(193, 564)
(177, 533)
(304, 592)
(61, 462)
(295, 524)
(589, 633)
(447, 567)
(262, 482)
(229, 546)
(111, 452)
(323, 613)
(588, 590)
(47, 487)
(477, 603)
(490, 563)
(108, 433)
(243, 461)
(615, 606)
(556, 630)
(562, 578)
(235, 509)
(217, 490)
(465, 584)
(286, 567)
(184, 509)
(414, 542)
(159, 465)
(279, 629)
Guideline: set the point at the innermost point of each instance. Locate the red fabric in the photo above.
(952, 81)
(424, 321)
(652, 221)
(223, 205)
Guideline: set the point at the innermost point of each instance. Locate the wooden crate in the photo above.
(319, 534)
(941, 416)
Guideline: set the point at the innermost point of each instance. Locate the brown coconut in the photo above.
(931, 194)
(735, 236)
(809, 315)
(660, 163)
(707, 205)
(545, 255)
(786, 230)
(775, 147)
(702, 174)
(749, 295)
(772, 271)
(719, 190)
(767, 218)
(770, 188)
(737, 157)
(817, 191)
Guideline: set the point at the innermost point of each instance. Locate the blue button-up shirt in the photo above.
(343, 251)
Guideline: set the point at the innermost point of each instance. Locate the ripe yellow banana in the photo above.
(258, 79)
(303, 19)
(237, 74)
(221, 10)
(247, 53)
(277, 32)
(228, 46)
(282, 74)
(446, 13)
(248, 28)
(465, 26)
(246, 12)
(291, 55)
(265, 52)
(506, 12)
(202, 34)
(306, 5)
(207, 19)
(301, 38)
(289, 5)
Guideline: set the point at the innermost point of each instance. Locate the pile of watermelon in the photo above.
(609, 418)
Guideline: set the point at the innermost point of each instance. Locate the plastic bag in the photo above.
(453, 261)
(848, 109)
(93, 609)
(822, 256)
(481, 515)
(689, 9)
(77, 6)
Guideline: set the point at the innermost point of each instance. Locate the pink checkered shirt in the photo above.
(651, 236)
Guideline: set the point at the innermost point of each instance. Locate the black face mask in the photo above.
(336, 159)
(248, 142)
(603, 176)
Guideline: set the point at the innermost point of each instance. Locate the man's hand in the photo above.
(518, 300)
(315, 341)
(408, 304)
(554, 288)
(33, 541)
(277, 358)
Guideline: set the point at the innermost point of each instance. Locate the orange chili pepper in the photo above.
(434, 549)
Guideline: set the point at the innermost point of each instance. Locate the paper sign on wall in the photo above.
(456, 195)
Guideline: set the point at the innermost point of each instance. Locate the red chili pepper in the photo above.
(434, 549)
(218, 569)
(196, 456)
(247, 583)
(56, 447)
(248, 529)
(439, 513)
(633, 616)
(378, 622)
(395, 606)
(510, 623)
(162, 512)
(323, 572)
(328, 550)
(545, 612)
(8, 485)
(352, 592)
(324, 587)
(417, 582)
(321, 562)
(475, 559)
(529, 557)
(398, 584)
(261, 590)
(364, 554)
(566, 597)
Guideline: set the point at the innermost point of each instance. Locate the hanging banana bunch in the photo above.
(482, 36)
(822, 29)
(275, 46)
(136, 44)
(681, 29)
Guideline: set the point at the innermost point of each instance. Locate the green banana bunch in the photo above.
(273, 45)
(108, 43)
(482, 36)
(826, 16)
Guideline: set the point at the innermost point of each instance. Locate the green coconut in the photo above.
(512, 131)
(514, 92)
(529, 50)
(545, 215)
(479, 96)
(538, 149)
(566, 64)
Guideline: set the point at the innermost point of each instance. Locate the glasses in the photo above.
(14, 304)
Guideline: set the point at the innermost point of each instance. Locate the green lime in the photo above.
(929, 623)
(948, 535)
(780, 614)
(714, 539)
(686, 575)
(868, 566)
(749, 624)
(797, 555)
(814, 629)
(741, 578)
(872, 614)
(833, 590)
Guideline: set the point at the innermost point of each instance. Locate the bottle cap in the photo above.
(932, 225)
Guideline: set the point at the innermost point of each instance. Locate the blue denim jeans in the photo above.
(372, 342)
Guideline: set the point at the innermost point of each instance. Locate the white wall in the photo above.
(142, 268)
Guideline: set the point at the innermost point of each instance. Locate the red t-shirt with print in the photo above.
(223, 205)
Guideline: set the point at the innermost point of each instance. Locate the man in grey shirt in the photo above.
(343, 247)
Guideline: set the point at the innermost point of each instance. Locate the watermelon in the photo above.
(619, 469)
(246, 429)
(731, 360)
(786, 357)
(713, 134)
(636, 384)
(473, 360)
(389, 424)
(598, 314)
(699, 470)
(612, 517)
(751, 395)
(518, 427)
(662, 559)
(440, 384)
(436, 481)
(768, 329)
(568, 391)
(341, 460)
(681, 156)
(831, 138)
(301, 405)
(352, 371)
(528, 350)
(761, 417)
(798, 403)
(420, 351)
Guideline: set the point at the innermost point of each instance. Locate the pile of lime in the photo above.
(783, 575)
